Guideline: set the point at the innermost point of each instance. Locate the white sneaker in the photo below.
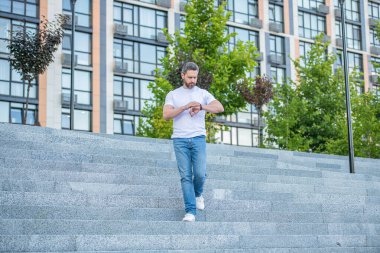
(189, 217)
(200, 203)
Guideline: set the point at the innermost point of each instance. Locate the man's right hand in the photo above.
(191, 105)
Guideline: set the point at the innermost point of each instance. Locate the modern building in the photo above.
(118, 44)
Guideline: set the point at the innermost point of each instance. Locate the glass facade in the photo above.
(82, 11)
(276, 14)
(141, 53)
(16, 15)
(28, 8)
(353, 35)
(310, 25)
(243, 10)
(83, 65)
(140, 46)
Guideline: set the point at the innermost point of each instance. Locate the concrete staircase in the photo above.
(67, 191)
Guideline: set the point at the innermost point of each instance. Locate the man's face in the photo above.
(190, 78)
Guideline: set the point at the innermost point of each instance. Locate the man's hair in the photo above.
(189, 66)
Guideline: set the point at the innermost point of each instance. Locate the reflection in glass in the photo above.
(82, 120)
(65, 121)
(244, 137)
(16, 116)
(128, 127)
(4, 111)
(17, 89)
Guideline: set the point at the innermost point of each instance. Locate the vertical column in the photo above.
(52, 108)
(103, 66)
(366, 44)
(107, 52)
(293, 14)
(263, 5)
(171, 18)
(366, 71)
(96, 66)
(329, 20)
(295, 53)
(42, 80)
(287, 17)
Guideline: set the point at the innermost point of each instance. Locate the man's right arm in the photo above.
(170, 112)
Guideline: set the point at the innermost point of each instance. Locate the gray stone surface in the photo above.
(69, 191)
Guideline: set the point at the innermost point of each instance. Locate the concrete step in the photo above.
(289, 160)
(126, 227)
(167, 214)
(158, 208)
(24, 133)
(43, 243)
(215, 178)
(226, 190)
(256, 250)
(60, 183)
(130, 163)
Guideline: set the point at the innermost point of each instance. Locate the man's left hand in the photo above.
(194, 110)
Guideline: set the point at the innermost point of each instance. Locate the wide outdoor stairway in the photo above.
(69, 191)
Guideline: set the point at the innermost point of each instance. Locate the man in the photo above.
(188, 105)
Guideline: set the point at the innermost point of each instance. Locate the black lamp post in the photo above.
(72, 64)
(348, 103)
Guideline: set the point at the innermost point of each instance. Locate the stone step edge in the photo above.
(175, 187)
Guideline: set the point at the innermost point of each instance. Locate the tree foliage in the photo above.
(205, 42)
(31, 52)
(366, 128)
(303, 115)
(258, 93)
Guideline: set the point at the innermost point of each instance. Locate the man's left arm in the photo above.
(213, 107)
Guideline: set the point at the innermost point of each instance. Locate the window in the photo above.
(373, 39)
(277, 48)
(82, 119)
(13, 112)
(374, 10)
(133, 90)
(7, 27)
(310, 25)
(244, 36)
(352, 9)
(141, 58)
(304, 49)
(355, 61)
(353, 34)
(276, 14)
(27, 8)
(278, 74)
(243, 10)
(82, 85)
(11, 83)
(238, 136)
(374, 71)
(124, 124)
(310, 4)
(82, 11)
(141, 22)
(83, 47)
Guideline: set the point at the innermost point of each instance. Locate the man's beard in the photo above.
(189, 85)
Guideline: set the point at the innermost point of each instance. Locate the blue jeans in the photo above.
(191, 159)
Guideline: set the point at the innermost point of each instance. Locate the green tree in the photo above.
(366, 128)
(305, 115)
(31, 52)
(258, 94)
(204, 42)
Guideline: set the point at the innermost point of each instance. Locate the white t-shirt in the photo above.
(185, 126)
